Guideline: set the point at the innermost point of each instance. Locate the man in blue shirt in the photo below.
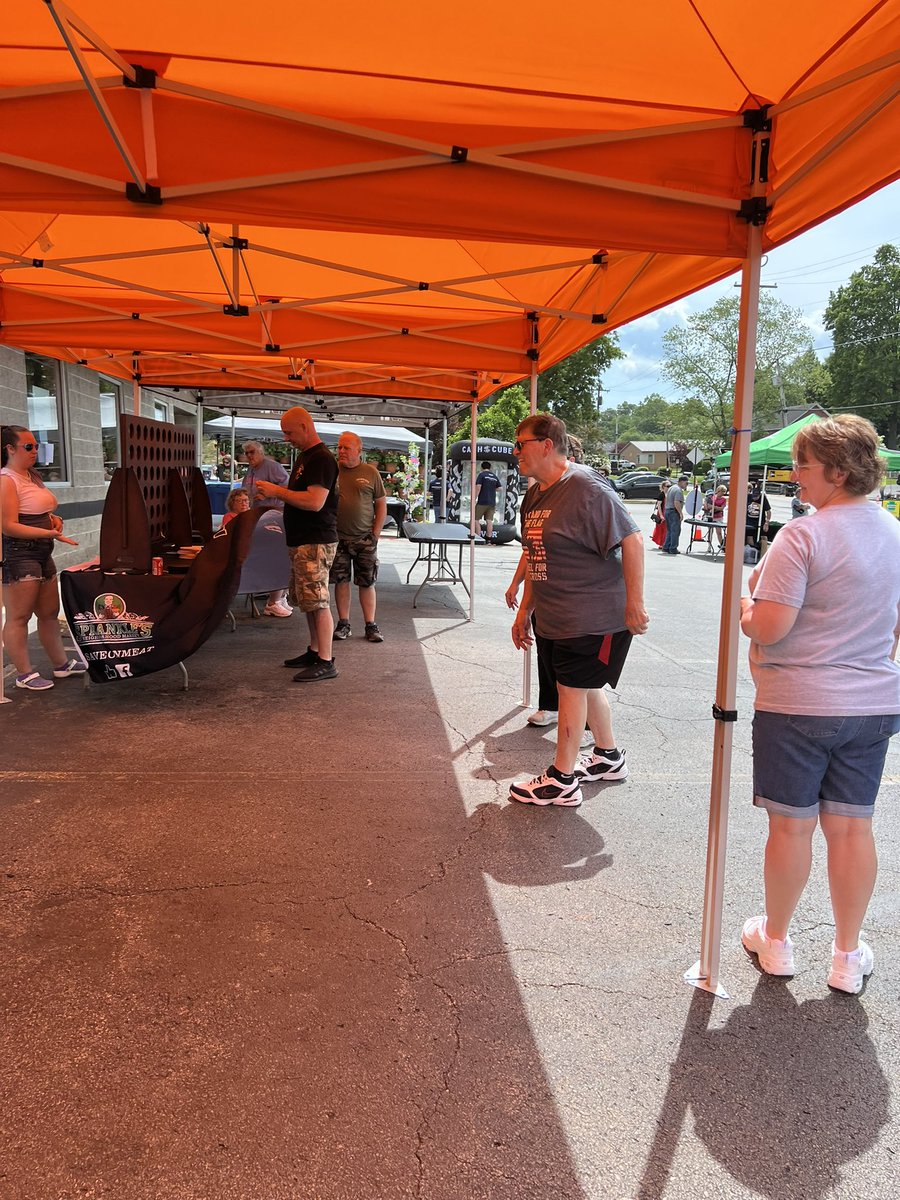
(486, 487)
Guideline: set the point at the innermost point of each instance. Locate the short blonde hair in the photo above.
(844, 443)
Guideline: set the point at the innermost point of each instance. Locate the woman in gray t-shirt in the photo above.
(823, 622)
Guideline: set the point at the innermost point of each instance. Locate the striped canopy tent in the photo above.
(420, 201)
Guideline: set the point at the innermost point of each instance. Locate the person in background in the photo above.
(674, 510)
(261, 467)
(487, 485)
(718, 506)
(827, 691)
(798, 508)
(237, 501)
(435, 490)
(759, 510)
(30, 529)
(310, 528)
(660, 529)
(362, 508)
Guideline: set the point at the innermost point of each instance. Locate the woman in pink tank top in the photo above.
(30, 528)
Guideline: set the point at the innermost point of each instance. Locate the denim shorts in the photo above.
(804, 765)
(28, 559)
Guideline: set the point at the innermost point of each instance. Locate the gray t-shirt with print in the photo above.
(571, 535)
(841, 568)
(674, 493)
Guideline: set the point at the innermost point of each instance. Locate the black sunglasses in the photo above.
(29, 446)
(524, 441)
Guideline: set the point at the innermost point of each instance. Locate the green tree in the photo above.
(864, 320)
(497, 417)
(700, 358)
(570, 389)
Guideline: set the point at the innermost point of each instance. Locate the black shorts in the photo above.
(586, 662)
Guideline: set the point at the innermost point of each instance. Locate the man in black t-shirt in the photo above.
(486, 487)
(310, 527)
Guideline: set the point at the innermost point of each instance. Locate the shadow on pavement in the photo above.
(250, 951)
(782, 1095)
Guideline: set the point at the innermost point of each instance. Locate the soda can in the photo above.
(157, 566)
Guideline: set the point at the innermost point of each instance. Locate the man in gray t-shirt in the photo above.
(674, 512)
(584, 571)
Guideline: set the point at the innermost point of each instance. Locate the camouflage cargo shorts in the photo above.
(310, 565)
(362, 555)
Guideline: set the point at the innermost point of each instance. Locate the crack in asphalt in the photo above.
(428, 1112)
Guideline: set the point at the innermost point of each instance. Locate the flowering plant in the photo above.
(410, 480)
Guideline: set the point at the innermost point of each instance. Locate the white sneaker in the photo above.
(587, 739)
(548, 788)
(849, 971)
(601, 768)
(542, 717)
(278, 610)
(775, 958)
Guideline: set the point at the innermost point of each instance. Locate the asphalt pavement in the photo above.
(272, 941)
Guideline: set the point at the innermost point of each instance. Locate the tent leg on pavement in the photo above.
(705, 972)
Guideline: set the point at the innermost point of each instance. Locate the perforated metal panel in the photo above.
(151, 448)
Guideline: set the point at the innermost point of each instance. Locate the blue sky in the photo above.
(806, 270)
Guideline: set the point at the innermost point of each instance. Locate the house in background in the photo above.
(789, 415)
(654, 455)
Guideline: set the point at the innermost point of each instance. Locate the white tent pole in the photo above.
(136, 397)
(705, 973)
(472, 527)
(444, 469)
(426, 474)
(199, 434)
(233, 415)
(526, 662)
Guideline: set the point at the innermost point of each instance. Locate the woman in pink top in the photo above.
(30, 528)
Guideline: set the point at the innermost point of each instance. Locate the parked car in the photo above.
(639, 487)
(636, 474)
(709, 483)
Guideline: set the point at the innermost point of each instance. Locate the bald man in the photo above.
(310, 528)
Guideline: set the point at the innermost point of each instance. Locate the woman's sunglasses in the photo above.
(28, 446)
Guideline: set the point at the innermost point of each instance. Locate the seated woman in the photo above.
(30, 527)
(237, 501)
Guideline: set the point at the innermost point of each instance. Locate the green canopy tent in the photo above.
(775, 450)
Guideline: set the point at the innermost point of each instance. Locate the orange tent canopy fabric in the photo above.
(399, 191)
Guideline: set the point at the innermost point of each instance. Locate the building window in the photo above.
(110, 407)
(160, 411)
(42, 383)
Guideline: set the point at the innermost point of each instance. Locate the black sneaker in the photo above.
(307, 659)
(323, 668)
(342, 630)
(549, 788)
(373, 633)
(601, 767)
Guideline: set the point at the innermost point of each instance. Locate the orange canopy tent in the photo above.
(466, 194)
(402, 198)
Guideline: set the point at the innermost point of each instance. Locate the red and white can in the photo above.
(156, 566)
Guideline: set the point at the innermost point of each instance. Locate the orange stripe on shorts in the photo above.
(605, 647)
